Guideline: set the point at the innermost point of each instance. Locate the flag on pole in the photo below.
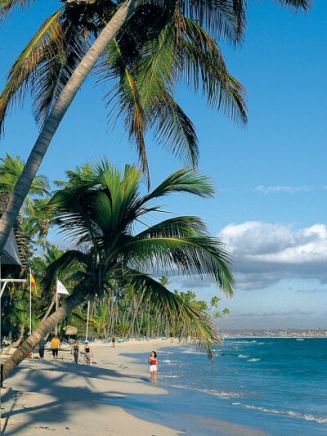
(61, 288)
(33, 284)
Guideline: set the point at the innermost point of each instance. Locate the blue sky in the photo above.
(271, 204)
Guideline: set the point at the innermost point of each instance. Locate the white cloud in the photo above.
(264, 254)
(284, 189)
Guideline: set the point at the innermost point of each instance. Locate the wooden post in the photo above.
(57, 307)
(87, 320)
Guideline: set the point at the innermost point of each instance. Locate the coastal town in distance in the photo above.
(274, 333)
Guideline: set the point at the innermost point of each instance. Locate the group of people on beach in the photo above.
(75, 351)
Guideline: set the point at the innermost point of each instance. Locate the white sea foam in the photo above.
(221, 394)
(242, 342)
(166, 361)
(306, 416)
(170, 376)
(254, 359)
(243, 356)
(191, 352)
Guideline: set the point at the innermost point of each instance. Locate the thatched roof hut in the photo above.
(70, 330)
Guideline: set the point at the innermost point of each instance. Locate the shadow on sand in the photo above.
(58, 380)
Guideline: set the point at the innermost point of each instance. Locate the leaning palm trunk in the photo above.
(44, 328)
(124, 12)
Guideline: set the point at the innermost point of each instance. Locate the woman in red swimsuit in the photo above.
(153, 362)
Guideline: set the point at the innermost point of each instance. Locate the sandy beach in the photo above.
(111, 396)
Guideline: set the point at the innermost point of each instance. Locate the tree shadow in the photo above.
(58, 381)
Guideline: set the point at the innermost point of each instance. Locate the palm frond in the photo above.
(181, 226)
(124, 98)
(298, 4)
(97, 202)
(196, 323)
(204, 66)
(53, 74)
(184, 180)
(45, 66)
(7, 5)
(175, 129)
(123, 194)
(201, 256)
(44, 45)
(10, 170)
(222, 18)
(157, 70)
(61, 264)
(149, 63)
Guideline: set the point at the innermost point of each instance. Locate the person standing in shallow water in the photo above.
(153, 362)
(87, 353)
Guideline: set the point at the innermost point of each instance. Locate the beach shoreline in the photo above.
(112, 396)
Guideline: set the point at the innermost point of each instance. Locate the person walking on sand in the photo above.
(87, 353)
(75, 351)
(55, 344)
(153, 362)
(113, 341)
(42, 348)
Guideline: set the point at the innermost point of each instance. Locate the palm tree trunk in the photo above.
(124, 12)
(136, 310)
(44, 328)
(49, 309)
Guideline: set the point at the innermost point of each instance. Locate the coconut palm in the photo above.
(10, 171)
(19, 317)
(39, 215)
(70, 60)
(98, 320)
(101, 212)
(39, 266)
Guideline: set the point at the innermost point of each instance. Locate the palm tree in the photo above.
(99, 320)
(40, 265)
(100, 211)
(10, 171)
(19, 317)
(70, 60)
(38, 215)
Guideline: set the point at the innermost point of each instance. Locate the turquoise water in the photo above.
(275, 385)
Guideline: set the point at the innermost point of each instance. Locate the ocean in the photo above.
(277, 386)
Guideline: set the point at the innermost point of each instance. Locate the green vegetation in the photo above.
(148, 48)
(113, 257)
(121, 312)
(142, 50)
